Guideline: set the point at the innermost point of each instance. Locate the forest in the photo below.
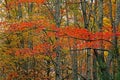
(59, 39)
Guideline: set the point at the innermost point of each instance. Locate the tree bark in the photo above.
(115, 42)
(58, 49)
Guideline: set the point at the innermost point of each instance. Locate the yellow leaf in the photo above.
(105, 53)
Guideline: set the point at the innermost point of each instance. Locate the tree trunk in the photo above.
(58, 49)
(115, 43)
(19, 11)
(74, 65)
(103, 71)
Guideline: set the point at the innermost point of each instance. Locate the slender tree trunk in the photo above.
(86, 25)
(115, 42)
(48, 69)
(8, 11)
(111, 55)
(74, 55)
(67, 24)
(83, 6)
(30, 44)
(66, 7)
(58, 65)
(58, 49)
(57, 14)
(103, 71)
(100, 13)
(19, 11)
(94, 68)
(74, 65)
